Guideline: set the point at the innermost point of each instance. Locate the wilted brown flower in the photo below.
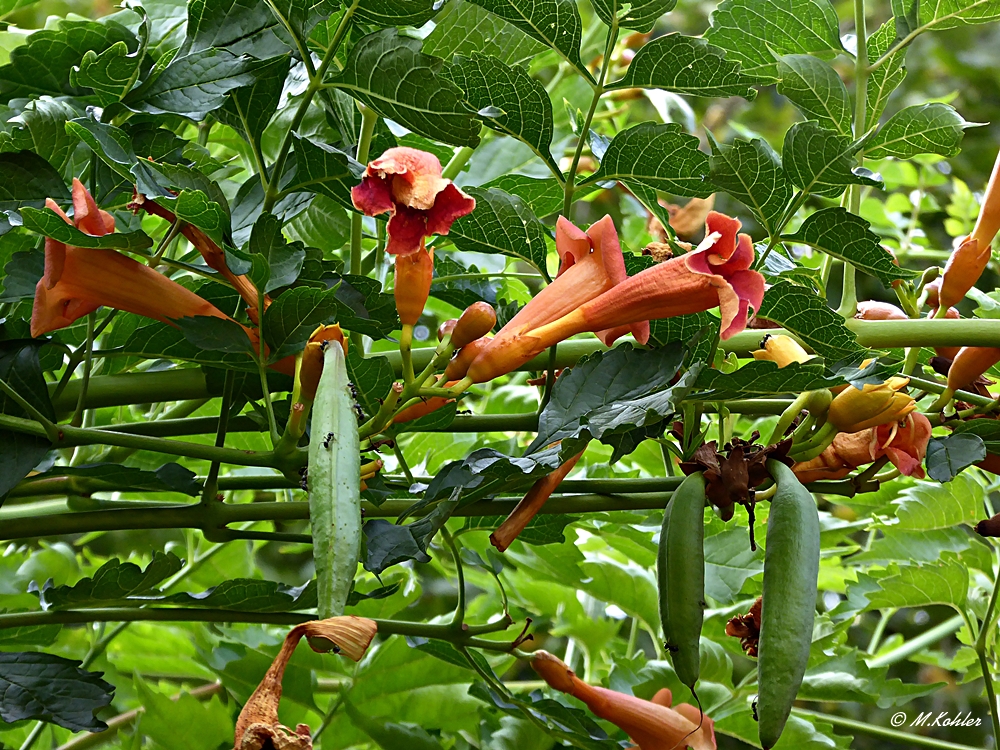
(747, 628)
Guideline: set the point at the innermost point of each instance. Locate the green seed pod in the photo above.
(680, 567)
(791, 569)
(334, 485)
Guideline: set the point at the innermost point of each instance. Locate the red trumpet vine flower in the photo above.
(716, 274)
(77, 281)
(904, 443)
(591, 264)
(652, 725)
(407, 183)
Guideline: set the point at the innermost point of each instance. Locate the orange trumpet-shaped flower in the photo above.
(530, 504)
(904, 443)
(591, 263)
(716, 274)
(407, 183)
(876, 404)
(77, 281)
(652, 725)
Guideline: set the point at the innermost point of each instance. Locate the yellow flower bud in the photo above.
(781, 349)
(853, 410)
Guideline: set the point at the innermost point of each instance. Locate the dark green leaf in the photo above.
(387, 544)
(460, 292)
(183, 722)
(41, 127)
(162, 341)
(20, 369)
(501, 223)
(933, 128)
(28, 180)
(249, 203)
(250, 108)
(947, 456)
(46, 222)
(659, 157)
(111, 74)
(639, 15)
(42, 65)
(918, 585)
(194, 85)
(238, 26)
(170, 477)
(610, 393)
(555, 23)
(363, 306)
(21, 274)
(883, 80)
(244, 594)
(844, 235)
(816, 89)
(114, 581)
(808, 317)
(323, 169)
(820, 161)
(521, 104)
(486, 471)
(987, 429)
(751, 172)
(686, 65)
(463, 28)
(760, 378)
(197, 208)
(390, 74)
(215, 334)
(548, 528)
(372, 377)
(293, 316)
(384, 13)
(542, 197)
(848, 678)
(50, 688)
(283, 259)
(756, 32)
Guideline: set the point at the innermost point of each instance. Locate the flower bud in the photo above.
(459, 365)
(988, 222)
(312, 359)
(875, 310)
(446, 328)
(969, 364)
(477, 320)
(781, 349)
(963, 270)
(413, 284)
(853, 410)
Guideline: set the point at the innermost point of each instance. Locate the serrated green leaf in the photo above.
(244, 594)
(920, 585)
(372, 377)
(463, 28)
(111, 74)
(250, 108)
(947, 456)
(518, 105)
(838, 232)
(945, 14)
(820, 161)
(390, 74)
(555, 23)
(20, 369)
(762, 378)
(542, 197)
(933, 128)
(639, 14)
(384, 13)
(927, 505)
(46, 222)
(195, 207)
(987, 429)
(170, 477)
(755, 32)
(53, 689)
(686, 65)
(501, 223)
(462, 291)
(808, 317)
(751, 172)
(284, 259)
(28, 180)
(185, 723)
(162, 341)
(487, 471)
(113, 582)
(729, 562)
(238, 26)
(549, 528)
(41, 127)
(883, 80)
(323, 169)
(292, 317)
(659, 157)
(817, 90)
(215, 334)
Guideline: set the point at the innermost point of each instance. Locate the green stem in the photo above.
(457, 162)
(919, 643)
(982, 646)
(48, 428)
(458, 620)
(368, 119)
(906, 739)
(883, 622)
(598, 88)
(212, 481)
(88, 363)
(262, 371)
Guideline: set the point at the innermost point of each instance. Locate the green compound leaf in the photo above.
(50, 688)
(291, 319)
(114, 581)
(838, 232)
(110, 74)
(555, 23)
(501, 223)
(919, 585)
(46, 222)
(761, 378)
(884, 79)
(28, 180)
(659, 157)
(944, 14)
(820, 161)
(817, 91)
(751, 172)
(755, 32)
(639, 15)
(463, 28)
(542, 196)
(508, 99)
(325, 170)
(250, 108)
(41, 128)
(237, 26)
(933, 128)
(686, 65)
(807, 316)
(390, 74)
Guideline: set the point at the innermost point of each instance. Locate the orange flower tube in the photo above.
(530, 504)
(716, 274)
(969, 364)
(77, 281)
(407, 184)
(652, 725)
(412, 284)
(591, 263)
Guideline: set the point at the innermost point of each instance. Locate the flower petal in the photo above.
(450, 204)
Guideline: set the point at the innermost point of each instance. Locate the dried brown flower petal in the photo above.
(747, 628)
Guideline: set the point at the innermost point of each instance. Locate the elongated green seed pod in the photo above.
(334, 485)
(791, 569)
(680, 568)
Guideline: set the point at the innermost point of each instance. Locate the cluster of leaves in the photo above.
(251, 122)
